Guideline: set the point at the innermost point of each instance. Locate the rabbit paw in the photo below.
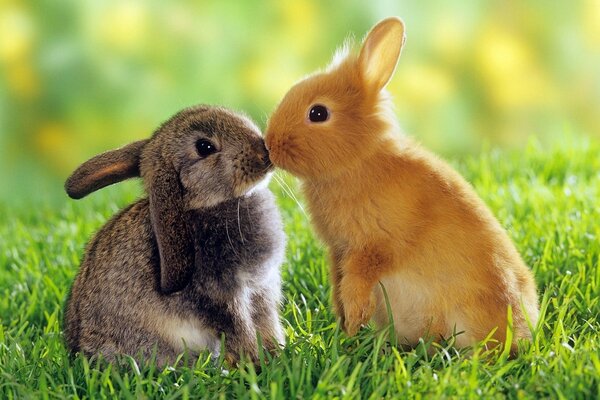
(357, 312)
(232, 359)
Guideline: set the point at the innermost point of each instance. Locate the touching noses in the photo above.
(273, 145)
(263, 154)
(268, 142)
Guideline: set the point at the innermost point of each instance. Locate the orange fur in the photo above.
(392, 212)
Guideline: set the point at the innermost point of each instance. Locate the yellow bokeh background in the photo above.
(81, 77)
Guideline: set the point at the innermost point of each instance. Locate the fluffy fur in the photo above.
(197, 260)
(392, 212)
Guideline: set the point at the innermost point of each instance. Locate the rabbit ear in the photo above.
(105, 169)
(173, 234)
(380, 52)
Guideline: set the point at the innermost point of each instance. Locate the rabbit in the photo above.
(393, 214)
(196, 260)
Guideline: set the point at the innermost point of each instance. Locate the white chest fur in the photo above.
(189, 334)
(418, 310)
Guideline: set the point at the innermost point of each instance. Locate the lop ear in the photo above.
(380, 52)
(105, 169)
(173, 234)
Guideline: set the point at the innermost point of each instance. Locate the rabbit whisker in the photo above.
(265, 169)
(230, 241)
(239, 220)
(288, 191)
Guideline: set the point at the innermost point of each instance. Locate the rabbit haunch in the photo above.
(190, 263)
(393, 213)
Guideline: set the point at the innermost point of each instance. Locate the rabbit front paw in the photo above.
(233, 358)
(357, 312)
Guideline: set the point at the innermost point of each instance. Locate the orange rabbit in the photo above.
(392, 212)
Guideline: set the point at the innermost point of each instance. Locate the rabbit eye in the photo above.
(318, 113)
(205, 148)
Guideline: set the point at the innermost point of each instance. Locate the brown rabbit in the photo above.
(198, 259)
(394, 213)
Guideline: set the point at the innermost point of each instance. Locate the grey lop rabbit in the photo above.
(197, 259)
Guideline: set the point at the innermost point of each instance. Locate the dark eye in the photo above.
(318, 113)
(205, 148)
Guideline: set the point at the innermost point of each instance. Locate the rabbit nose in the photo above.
(268, 143)
(263, 153)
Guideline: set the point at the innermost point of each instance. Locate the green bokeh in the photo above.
(77, 78)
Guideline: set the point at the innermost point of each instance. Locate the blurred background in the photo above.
(81, 77)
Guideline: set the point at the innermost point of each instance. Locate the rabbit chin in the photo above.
(260, 184)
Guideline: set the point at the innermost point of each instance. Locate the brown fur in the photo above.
(196, 260)
(392, 212)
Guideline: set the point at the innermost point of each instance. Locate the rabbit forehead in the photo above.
(336, 92)
(213, 122)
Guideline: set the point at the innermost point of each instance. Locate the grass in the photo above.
(547, 198)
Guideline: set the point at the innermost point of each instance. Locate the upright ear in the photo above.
(105, 169)
(380, 52)
(173, 234)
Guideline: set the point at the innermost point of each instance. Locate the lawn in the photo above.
(546, 196)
